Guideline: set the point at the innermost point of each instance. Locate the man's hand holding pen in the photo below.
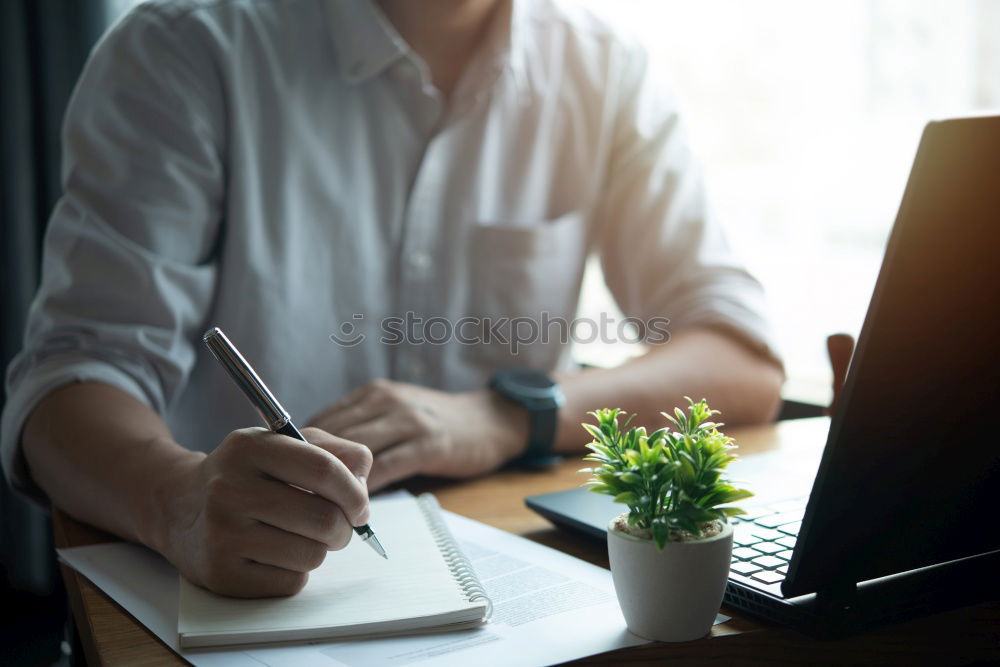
(255, 516)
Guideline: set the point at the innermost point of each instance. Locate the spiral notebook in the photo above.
(426, 585)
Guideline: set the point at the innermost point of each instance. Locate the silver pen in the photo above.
(275, 416)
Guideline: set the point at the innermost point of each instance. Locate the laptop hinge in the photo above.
(835, 603)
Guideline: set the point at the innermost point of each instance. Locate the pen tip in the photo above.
(377, 546)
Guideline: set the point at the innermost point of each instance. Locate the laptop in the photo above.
(896, 515)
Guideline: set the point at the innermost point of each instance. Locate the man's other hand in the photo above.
(413, 430)
(255, 516)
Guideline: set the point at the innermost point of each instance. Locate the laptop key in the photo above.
(768, 547)
(746, 569)
(772, 521)
(768, 562)
(786, 541)
(745, 553)
(791, 528)
(754, 513)
(784, 555)
(776, 520)
(743, 536)
(765, 533)
(767, 576)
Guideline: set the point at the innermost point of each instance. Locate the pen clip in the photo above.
(274, 415)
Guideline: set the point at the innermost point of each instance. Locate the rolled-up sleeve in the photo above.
(663, 251)
(129, 266)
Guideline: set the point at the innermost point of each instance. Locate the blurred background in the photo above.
(806, 116)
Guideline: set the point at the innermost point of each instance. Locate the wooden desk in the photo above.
(111, 636)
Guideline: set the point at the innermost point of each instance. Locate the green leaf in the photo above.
(627, 498)
(671, 478)
(687, 468)
(630, 478)
(735, 495)
(595, 433)
(682, 420)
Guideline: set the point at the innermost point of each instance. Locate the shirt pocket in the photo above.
(529, 273)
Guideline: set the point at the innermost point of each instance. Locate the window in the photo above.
(806, 116)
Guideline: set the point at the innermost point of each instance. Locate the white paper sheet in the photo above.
(549, 608)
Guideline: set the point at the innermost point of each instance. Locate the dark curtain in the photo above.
(43, 45)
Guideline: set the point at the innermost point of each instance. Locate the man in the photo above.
(281, 169)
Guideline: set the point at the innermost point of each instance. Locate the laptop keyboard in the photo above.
(763, 540)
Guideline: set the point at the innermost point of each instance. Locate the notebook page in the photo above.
(353, 587)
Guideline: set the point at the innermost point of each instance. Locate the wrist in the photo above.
(512, 421)
(166, 504)
(540, 398)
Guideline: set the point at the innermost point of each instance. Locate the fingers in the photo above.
(304, 465)
(249, 579)
(281, 549)
(295, 511)
(356, 456)
(268, 508)
(373, 403)
(350, 399)
(400, 462)
(385, 431)
(356, 395)
(228, 543)
(374, 400)
(266, 581)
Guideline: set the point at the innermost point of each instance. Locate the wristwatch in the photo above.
(542, 397)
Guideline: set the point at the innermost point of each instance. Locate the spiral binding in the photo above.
(458, 563)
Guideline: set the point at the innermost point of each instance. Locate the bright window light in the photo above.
(806, 116)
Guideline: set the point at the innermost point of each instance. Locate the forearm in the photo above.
(700, 363)
(102, 456)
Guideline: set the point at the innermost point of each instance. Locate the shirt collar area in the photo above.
(505, 50)
(366, 43)
(363, 39)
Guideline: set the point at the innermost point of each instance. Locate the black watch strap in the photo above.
(542, 422)
(541, 397)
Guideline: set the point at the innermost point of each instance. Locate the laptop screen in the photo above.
(911, 471)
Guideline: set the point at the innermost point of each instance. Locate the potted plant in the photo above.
(670, 552)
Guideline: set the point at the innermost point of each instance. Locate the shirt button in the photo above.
(419, 261)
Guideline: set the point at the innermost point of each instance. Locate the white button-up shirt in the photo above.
(288, 172)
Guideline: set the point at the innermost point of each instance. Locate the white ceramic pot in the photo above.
(671, 595)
